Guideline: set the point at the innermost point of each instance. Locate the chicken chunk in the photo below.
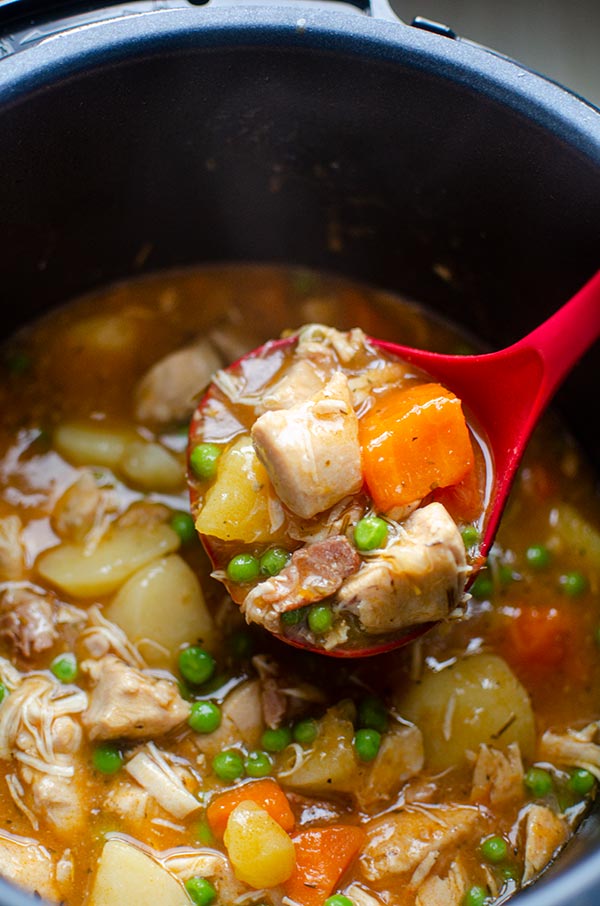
(311, 450)
(27, 623)
(83, 507)
(12, 550)
(60, 801)
(168, 392)
(300, 382)
(448, 891)
(545, 832)
(241, 718)
(575, 748)
(400, 757)
(498, 776)
(401, 841)
(420, 577)
(126, 702)
(315, 571)
(29, 865)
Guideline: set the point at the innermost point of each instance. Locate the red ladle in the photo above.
(506, 391)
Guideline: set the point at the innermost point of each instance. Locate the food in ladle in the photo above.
(142, 722)
(319, 469)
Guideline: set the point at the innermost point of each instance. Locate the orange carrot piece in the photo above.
(465, 501)
(265, 793)
(322, 857)
(414, 441)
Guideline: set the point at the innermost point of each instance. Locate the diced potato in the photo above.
(163, 604)
(236, 507)
(578, 535)
(476, 700)
(331, 766)
(107, 334)
(92, 443)
(100, 571)
(127, 874)
(261, 852)
(151, 467)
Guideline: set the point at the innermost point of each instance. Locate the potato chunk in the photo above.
(126, 874)
(261, 852)
(160, 608)
(476, 701)
(237, 506)
(83, 574)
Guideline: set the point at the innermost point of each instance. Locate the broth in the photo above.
(140, 715)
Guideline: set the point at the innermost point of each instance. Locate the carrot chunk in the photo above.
(322, 857)
(265, 793)
(414, 441)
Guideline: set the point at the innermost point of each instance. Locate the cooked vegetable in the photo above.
(370, 533)
(494, 849)
(322, 857)
(201, 891)
(93, 443)
(92, 573)
(160, 631)
(228, 765)
(276, 740)
(413, 441)
(366, 744)
(538, 782)
(204, 459)
(261, 852)
(476, 700)
(107, 758)
(64, 667)
(196, 665)
(205, 717)
(573, 583)
(265, 793)
(126, 874)
(151, 467)
(258, 764)
(183, 524)
(243, 568)
(330, 766)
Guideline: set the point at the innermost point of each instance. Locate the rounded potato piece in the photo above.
(151, 467)
(126, 874)
(476, 700)
(162, 603)
(120, 554)
(261, 852)
(236, 506)
(92, 443)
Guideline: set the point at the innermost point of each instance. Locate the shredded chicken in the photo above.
(145, 513)
(575, 748)
(198, 863)
(311, 450)
(102, 637)
(165, 778)
(399, 842)
(168, 392)
(301, 381)
(419, 577)
(12, 550)
(281, 696)
(241, 720)
(545, 832)
(400, 757)
(30, 622)
(83, 508)
(360, 896)
(498, 776)
(314, 572)
(126, 702)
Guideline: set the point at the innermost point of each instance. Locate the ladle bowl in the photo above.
(506, 391)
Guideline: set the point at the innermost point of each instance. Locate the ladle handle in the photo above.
(565, 337)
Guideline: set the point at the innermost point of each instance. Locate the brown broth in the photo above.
(82, 364)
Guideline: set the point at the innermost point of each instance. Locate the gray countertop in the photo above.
(557, 38)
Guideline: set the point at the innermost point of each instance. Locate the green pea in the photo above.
(582, 782)
(65, 668)
(509, 873)
(107, 759)
(273, 561)
(241, 645)
(183, 525)
(494, 849)
(538, 556)
(305, 731)
(470, 536)
(204, 460)
(258, 764)
(373, 714)
(482, 588)
(243, 568)
(228, 765)
(203, 834)
(573, 584)
(205, 717)
(505, 574)
(293, 617)
(276, 740)
(338, 899)
(538, 782)
(370, 533)
(366, 744)
(475, 896)
(201, 891)
(320, 618)
(196, 665)
(3, 692)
